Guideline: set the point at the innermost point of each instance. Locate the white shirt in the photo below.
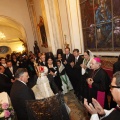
(67, 56)
(95, 116)
(77, 57)
(11, 69)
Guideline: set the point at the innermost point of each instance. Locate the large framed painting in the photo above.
(101, 24)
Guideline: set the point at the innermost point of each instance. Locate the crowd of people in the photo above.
(66, 71)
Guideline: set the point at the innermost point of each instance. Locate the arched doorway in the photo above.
(12, 36)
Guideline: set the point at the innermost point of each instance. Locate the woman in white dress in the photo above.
(66, 84)
(42, 88)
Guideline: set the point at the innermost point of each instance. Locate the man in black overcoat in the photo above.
(10, 71)
(20, 93)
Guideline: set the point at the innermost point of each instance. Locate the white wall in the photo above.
(18, 11)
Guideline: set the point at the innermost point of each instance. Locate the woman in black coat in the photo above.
(53, 70)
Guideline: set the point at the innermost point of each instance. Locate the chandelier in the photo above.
(2, 35)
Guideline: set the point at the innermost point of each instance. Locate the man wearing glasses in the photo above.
(95, 109)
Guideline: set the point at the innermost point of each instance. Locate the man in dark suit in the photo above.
(78, 61)
(20, 93)
(4, 81)
(67, 59)
(10, 70)
(3, 62)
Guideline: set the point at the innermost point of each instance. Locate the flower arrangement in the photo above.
(6, 112)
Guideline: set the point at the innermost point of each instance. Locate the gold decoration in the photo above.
(66, 44)
(37, 69)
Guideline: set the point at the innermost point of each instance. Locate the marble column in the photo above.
(75, 26)
(51, 20)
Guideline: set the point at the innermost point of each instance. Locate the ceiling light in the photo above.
(2, 35)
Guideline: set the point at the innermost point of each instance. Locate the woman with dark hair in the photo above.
(50, 55)
(59, 57)
(14, 60)
(59, 51)
(85, 66)
(88, 56)
(53, 70)
(59, 54)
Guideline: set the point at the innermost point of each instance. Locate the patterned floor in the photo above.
(78, 111)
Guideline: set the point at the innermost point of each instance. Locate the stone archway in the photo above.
(15, 36)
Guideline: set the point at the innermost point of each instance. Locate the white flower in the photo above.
(2, 115)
